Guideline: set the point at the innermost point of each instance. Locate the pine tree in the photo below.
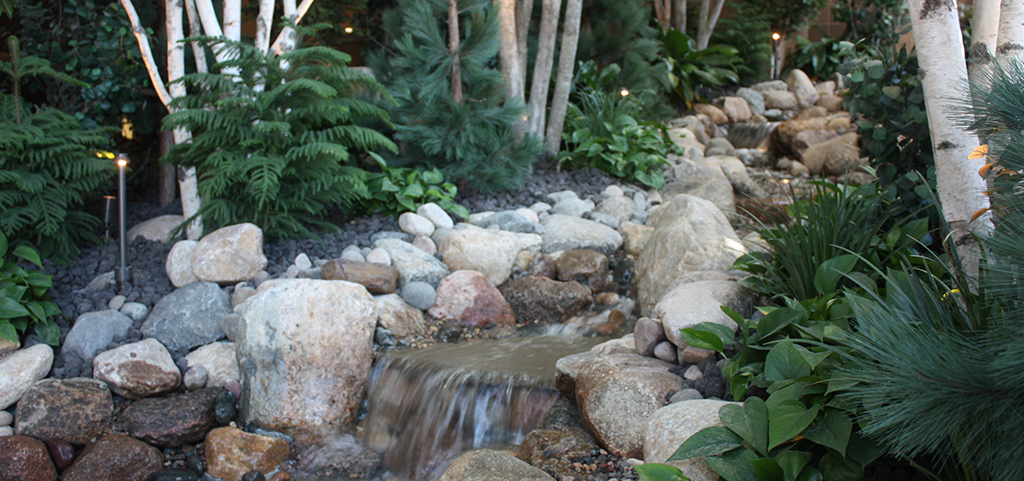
(470, 140)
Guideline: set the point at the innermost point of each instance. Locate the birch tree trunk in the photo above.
(1011, 31)
(453, 49)
(233, 19)
(263, 25)
(284, 40)
(679, 17)
(710, 10)
(563, 82)
(508, 54)
(941, 56)
(187, 182)
(524, 15)
(542, 66)
(195, 30)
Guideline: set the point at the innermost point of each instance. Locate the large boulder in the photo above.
(536, 299)
(690, 235)
(802, 87)
(74, 410)
(401, 318)
(834, 156)
(172, 421)
(304, 351)
(25, 459)
(491, 252)
(735, 108)
(93, 331)
(587, 267)
(736, 172)
(755, 100)
(470, 299)
(229, 255)
(562, 232)
(616, 393)
(714, 113)
(156, 229)
(672, 425)
(115, 457)
(413, 263)
(699, 180)
(492, 465)
(137, 370)
(20, 369)
(179, 263)
(189, 316)
(687, 305)
(781, 139)
(620, 208)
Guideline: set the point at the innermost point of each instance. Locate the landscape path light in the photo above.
(775, 53)
(122, 272)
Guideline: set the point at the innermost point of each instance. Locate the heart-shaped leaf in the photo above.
(832, 431)
(777, 320)
(784, 362)
(708, 442)
(768, 469)
(828, 274)
(787, 420)
(660, 472)
(750, 421)
(736, 465)
(792, 463)
(835, 467)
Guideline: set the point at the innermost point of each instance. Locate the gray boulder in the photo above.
(189, 316)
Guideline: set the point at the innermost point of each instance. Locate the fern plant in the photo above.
(48, 167)
(275, 137)
(470, 140)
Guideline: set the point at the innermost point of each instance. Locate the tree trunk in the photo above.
(710, 10)
(195, 30)
(679, 15)
(563, 82)
(233, 19)
(453, 49)
(279, 43)
(542, 66)
(659, 13)
(1011, 31)
(508, 54)
(168, 175)
(190, 201)
(264, 26)
(524, 15)
(941, 56)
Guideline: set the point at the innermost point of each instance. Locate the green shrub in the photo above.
(48, 168)
(751, 36)
(876, 22)
(395, 190)
(470, 141)
(822, 58)
(912, 398)
(274, 145)
(622, 33)
(601, 132)
(24, 295)
(691, 70)
(92, 41)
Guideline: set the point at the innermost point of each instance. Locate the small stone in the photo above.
(61, 452)
(419, 295)
(383, 337)
(666, 351)
(281, 476)
(685, 395)
(607, 298)
(424, 242)
(172, 474)
(229, 325)
(6, 431)
(231, 453)
(379, 256)
(436, 215)
(241, 294)
(415, 224)
(75, 410)
(6, 418)
(138, 370)
(135, 310)
(115, 457)
(353, 253)
(234, 387)
(25, 459)
(196, 378)
(692, 373)
(647, 334)
(20, 369)
(253, 476)
(195, 464)
(116, 302)
(224, 410)
(302, 261)
(694, 355)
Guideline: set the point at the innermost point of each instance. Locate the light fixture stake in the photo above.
(122, 273)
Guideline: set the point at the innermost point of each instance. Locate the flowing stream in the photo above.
(750, 135)
(428, 405)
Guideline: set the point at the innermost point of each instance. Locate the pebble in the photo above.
(116, 302)
(419, 295)
(379, 256)
(172, 474)
(6, 431)
(61, 452)
(6, 418)
(224, 408)
(135, 310)
(253, 476)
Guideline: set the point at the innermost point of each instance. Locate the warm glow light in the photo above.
(349, 30)
(776, 36)
(122, 163)
(624, 92)
(785, 181)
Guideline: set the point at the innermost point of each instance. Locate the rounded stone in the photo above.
(419, 295)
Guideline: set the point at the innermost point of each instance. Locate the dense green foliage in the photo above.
(470, 141)
(876, 22)
(692, 71)
(274, 137)
(784, 16)
(912, 398)
(622, 33)
(48, 167)
(395, 190)
(24, 295)
(91, 40)
(751, 36)
(822, 58)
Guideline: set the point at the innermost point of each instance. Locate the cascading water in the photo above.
(428, 405)
(750, 135)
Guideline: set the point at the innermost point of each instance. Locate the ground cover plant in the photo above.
(276, 138)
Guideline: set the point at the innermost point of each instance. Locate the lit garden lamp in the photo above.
(624, 92)
(349, 30)
(122, 272)
(775, 52)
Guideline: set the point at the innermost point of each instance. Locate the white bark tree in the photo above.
(1011, 31)
(201, 12)
(940, 52)
(524, 15)
(542, 66)
(566, 66)
(508, 53)
(707, 19)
